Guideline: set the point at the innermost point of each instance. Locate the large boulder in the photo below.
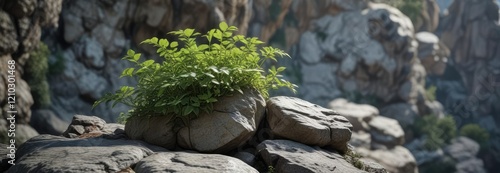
(307, 123)
(191, 162)
(395, 160)
(234, 121)
(292, 157)
(47, 153)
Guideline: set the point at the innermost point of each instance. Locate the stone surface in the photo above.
(304, 122)
(233, 122)
(289, 156)
(395, 160)
(386, 131)
(46, 122)
(4, 159)
(47, 153)
(432, 53)
(371, 166)
(464, 150)
(24, 133)
(357, 114)
(157, 130)
(191, 162)
(404, 113)
(361, 139)
(82, 124)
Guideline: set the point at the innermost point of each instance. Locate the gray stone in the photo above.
(157, 130)
(304, 122)
(47, 153)
(292, 157)
(192, 163)
(246, 157)
(371, 166)
(360, 139)
(90, 52)
(309, 48)
(395, 160)
(73, 28)
(234, 121)
(357, 114)
(46, 122)
(462, 148)
(24, 133)
(386, 131)
(404, 113)
(82, 124)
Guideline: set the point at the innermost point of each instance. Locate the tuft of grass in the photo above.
(36, 69)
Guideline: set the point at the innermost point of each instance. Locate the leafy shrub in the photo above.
(36, 69)
(192, 76)
(438, 131)
(476, 133)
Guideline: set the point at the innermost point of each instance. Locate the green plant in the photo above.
(36, 69)
(439, 166)
(57, 67)
(438, 131)
(192, 76)
(430, 93)
(476, 133)
(270, 169)
(354, 159)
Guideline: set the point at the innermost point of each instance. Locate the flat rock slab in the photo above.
(47, 153)
(191, 163)
(307, 123)
(293, 157)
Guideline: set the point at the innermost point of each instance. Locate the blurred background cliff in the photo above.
(432, 65)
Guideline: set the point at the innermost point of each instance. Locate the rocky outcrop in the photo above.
(46, 122)
(304, 122)
(93, 145)
(191, 162)
(378, 137)
(289, 156)
(464, 151)
(432, 53)
(21, 23)
(233, 122)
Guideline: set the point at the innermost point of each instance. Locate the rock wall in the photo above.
(96, 33)
(21, 24)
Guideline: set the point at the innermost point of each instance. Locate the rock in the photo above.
(310, 124)
(82, 124)
(191, 162)
(464, 150)
(421, 153)
(4, 159)
(246, 157)
(23, 133)
(432, 53)
(404, 113)
(47, 153)
(157, 130)
(357, 114)
(289, 156)
(72, 27)
(44, 121)
(372, 166)
(309, 47)
(395, 160)
(89, 52)
(233, 122)
(361, 139)
(50, 10)
(386, 131)
(8, 36)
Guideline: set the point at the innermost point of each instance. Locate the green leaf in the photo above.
(130, 53)
(136, 57)
(280, 69)
(147, 63)
(188, 32)
(223, 26)
(164, 43)
(174, 44)
(127, 72)
(203, 47)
